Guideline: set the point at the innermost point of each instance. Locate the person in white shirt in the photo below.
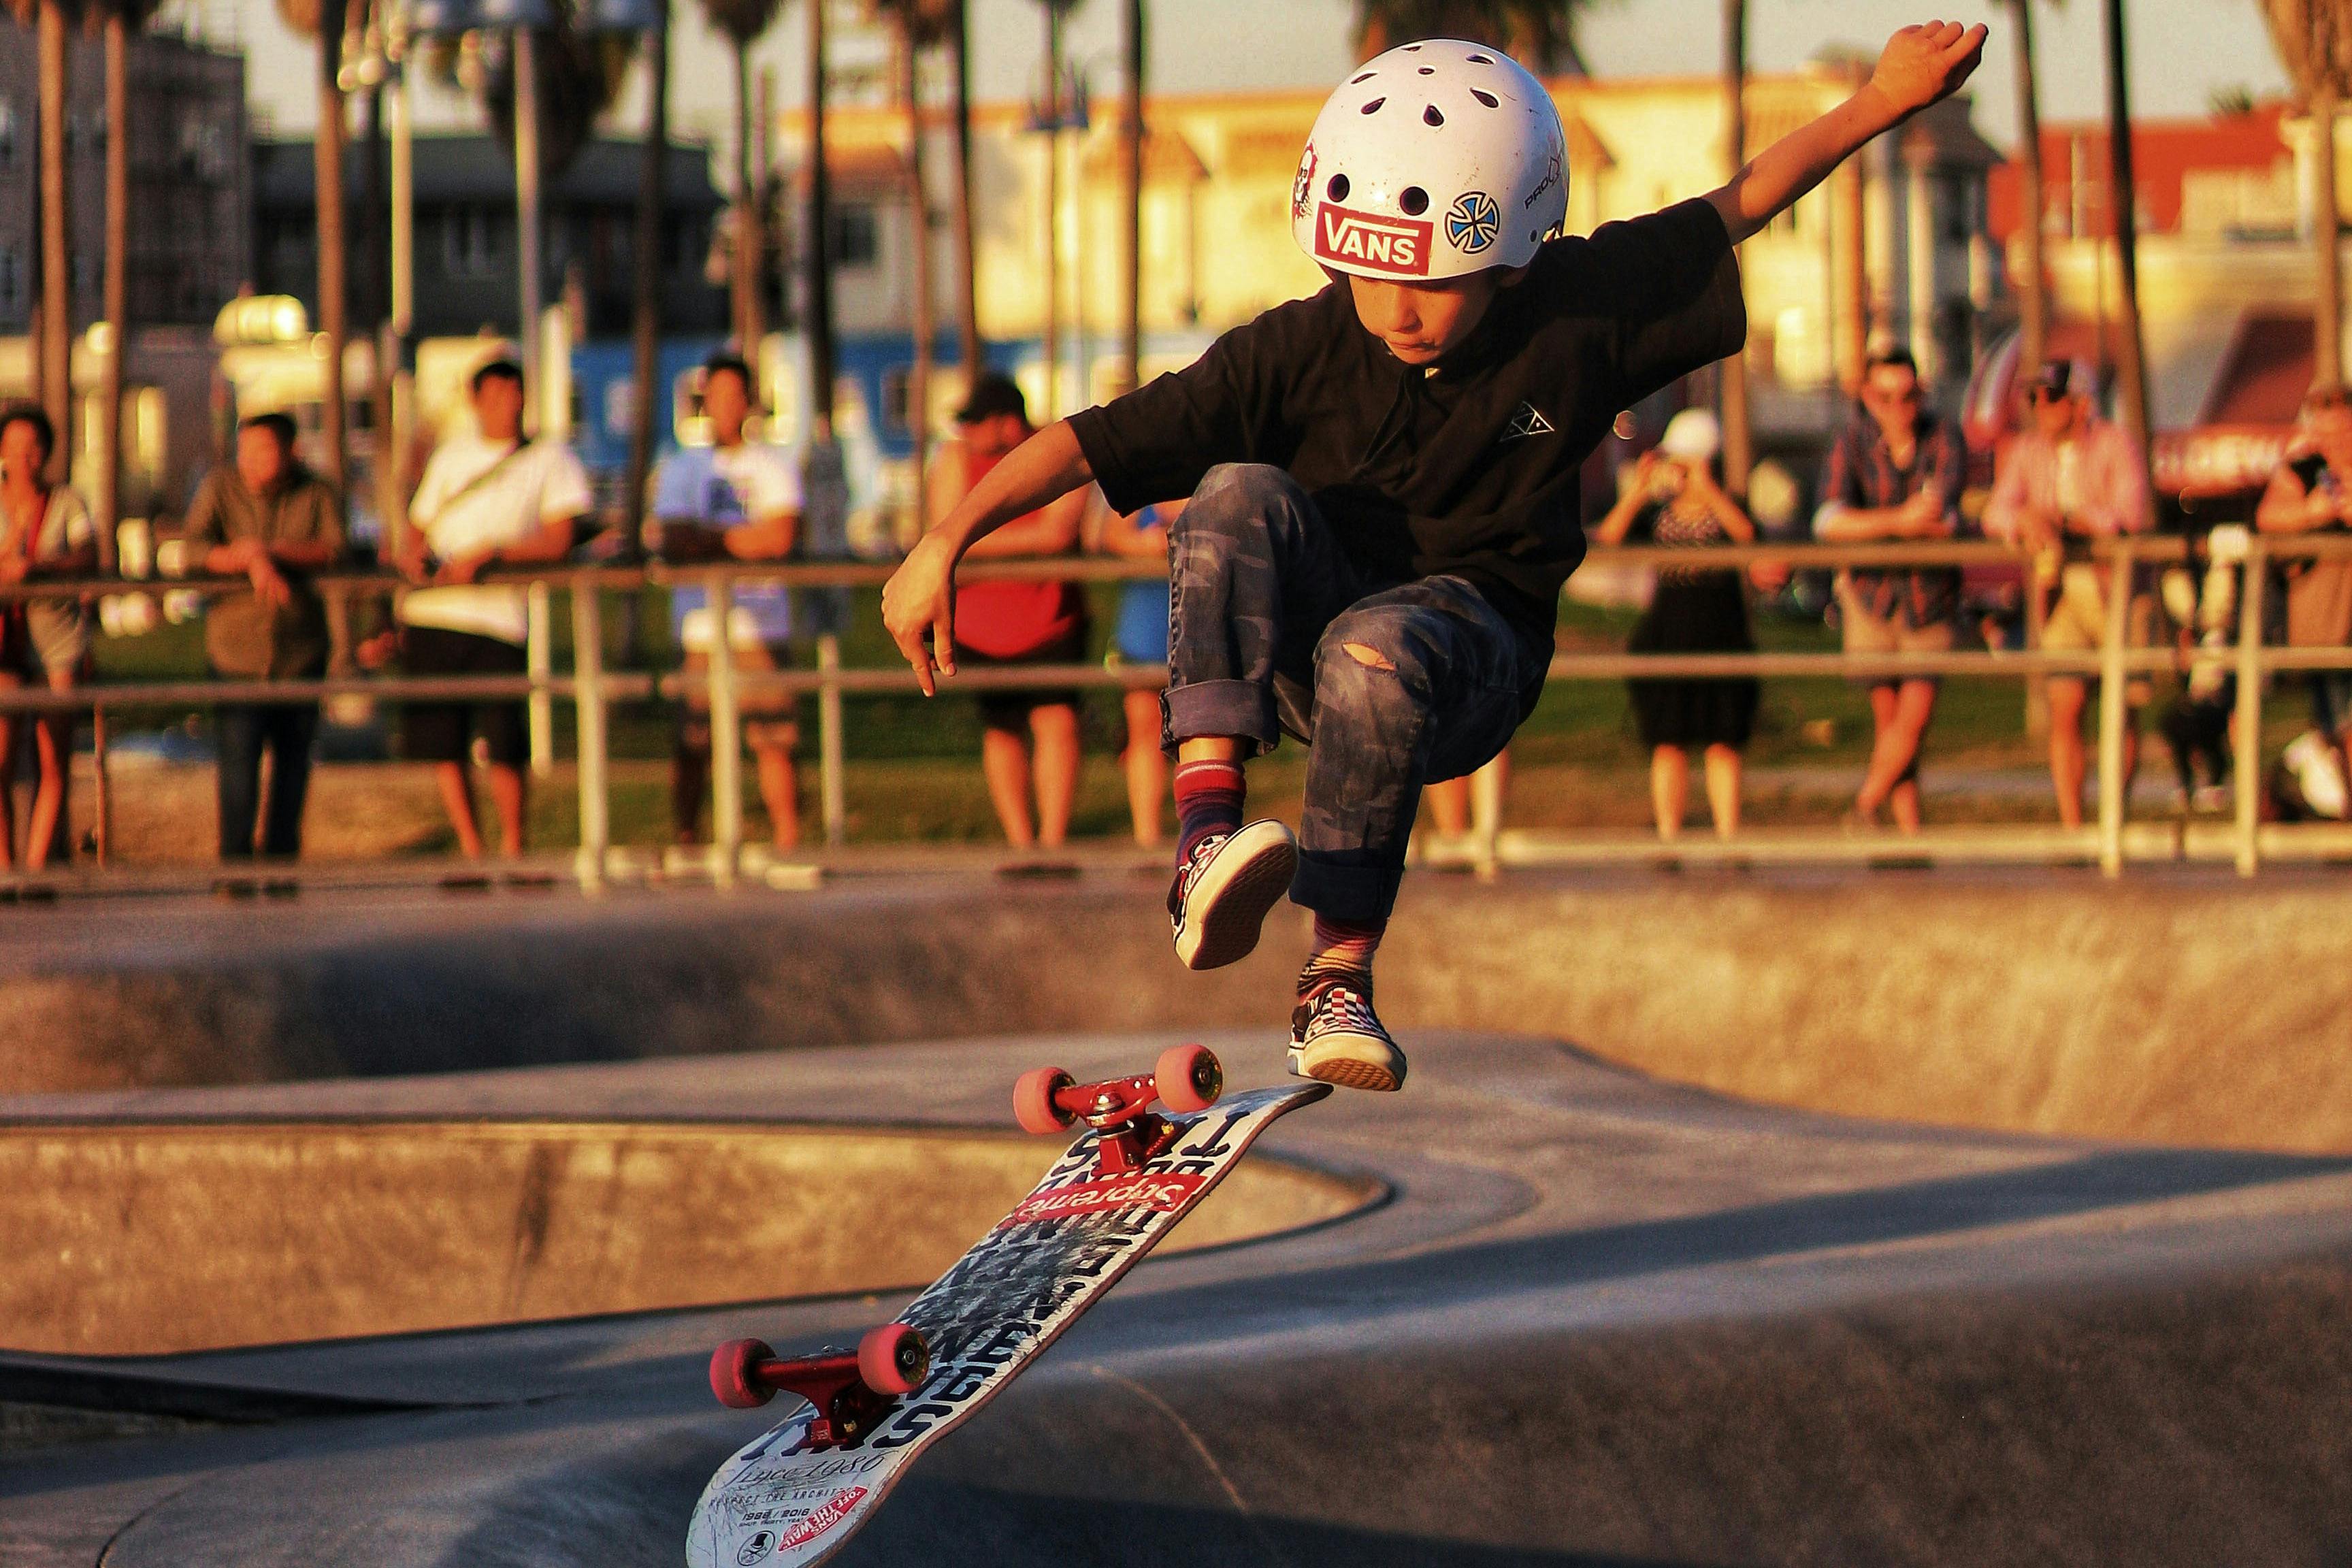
(488, 498)
(732, 500)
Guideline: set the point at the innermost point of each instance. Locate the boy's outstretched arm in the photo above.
(1919, 65)
(919, 601)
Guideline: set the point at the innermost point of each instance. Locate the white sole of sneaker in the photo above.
(1252, 870)
(1347, 1072)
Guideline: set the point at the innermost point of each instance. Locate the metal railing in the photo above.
(593, 688)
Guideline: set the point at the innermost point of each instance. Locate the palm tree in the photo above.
(1538, 34)
(742, 22)
(967, 299)
(2313, 39)
(121, 17)
(53, 312)
(2032, 297)
(325, 20)
(2131, 367)
(918, 24)
(1130, 131)
(645, 324)
(1732, 384)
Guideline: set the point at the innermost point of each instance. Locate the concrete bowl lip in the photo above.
(1368, 1192)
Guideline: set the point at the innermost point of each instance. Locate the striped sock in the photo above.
(1209, 797)
(1340, 947)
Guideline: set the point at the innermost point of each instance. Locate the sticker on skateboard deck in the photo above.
(798, 1494)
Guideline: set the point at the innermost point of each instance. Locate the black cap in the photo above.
(2058, 376)
(991, 395)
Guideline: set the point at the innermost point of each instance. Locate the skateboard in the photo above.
(797, 1495)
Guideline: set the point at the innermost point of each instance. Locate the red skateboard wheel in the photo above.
(893, 1359)
(1188, 1077)
(1033, 1101)
(734, 1376)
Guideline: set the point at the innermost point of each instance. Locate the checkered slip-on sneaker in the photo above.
(1224, 889)
(1336, 1037)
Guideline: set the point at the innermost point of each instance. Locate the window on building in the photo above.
(856, 236)
(12, 281)
(469, 243)
(898, 388)
(7, 133)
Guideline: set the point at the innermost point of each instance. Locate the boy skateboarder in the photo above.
(1383, 481)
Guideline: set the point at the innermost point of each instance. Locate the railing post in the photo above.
(539, 662)
(588, 698)
(2115, 706)
(2246, 743)
(832, 793)
(725, 738)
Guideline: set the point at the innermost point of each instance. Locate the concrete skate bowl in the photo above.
(147, 1238)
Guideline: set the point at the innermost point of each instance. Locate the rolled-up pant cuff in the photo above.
(1240, 709)
(1345, 892)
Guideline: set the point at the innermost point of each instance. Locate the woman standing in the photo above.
(1674, 501)
(45, 531)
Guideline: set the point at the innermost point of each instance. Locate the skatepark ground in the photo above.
(1785, 1217)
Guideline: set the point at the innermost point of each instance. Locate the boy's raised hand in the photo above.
(1926, 62)
(919, 609)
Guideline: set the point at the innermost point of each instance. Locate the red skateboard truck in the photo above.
(849, 1388)
(1047, 1100)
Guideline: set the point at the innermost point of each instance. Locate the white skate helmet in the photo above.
(1435, 160)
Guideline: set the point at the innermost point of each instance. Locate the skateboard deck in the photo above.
(787, 1501)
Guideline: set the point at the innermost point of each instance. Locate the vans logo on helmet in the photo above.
(1372, 242)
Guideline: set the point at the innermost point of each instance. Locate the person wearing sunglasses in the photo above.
(1894, 475)
(2067, 478)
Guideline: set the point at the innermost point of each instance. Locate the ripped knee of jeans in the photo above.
(1370, 656)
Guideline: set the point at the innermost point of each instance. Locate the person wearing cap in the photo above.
(734, 499)
(488, 498)
(1029, 738)
(2068, 479)
(1673, 500)
(1384, 481)
(268, 519)
(1894, 475)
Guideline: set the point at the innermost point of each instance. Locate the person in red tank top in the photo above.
(1017, 622)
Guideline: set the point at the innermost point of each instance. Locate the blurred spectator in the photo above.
(1017, 622)
(2068, 479)
(2197, 724)
(732, 500)
(1674, 499)
(1895, 474)
(45, 531)
(488, 498)
(2312, 493)
(1450, 803)
(1142, 637)
(267, 517)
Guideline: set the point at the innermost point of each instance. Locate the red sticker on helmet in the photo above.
(1372, 242)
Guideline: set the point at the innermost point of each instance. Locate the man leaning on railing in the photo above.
(2068, 479)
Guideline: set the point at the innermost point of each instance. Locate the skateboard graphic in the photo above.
(797, 1495)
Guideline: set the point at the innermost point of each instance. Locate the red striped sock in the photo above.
(1347, 946)
(1209, 797)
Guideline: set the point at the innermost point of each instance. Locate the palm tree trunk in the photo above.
(2033, 299)
(54, 355)
(1131, 259)
(918, 226)
(118, 266)
(1734, 369)
(819, 239)
(2327, 226)
(645, 316)
(333, 268)
(1051, 338)
(967, 299)
(2130, 364)
(748, 237)
(528, 222)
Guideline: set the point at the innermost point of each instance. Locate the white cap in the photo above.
(1435, 160)
(1692, 434)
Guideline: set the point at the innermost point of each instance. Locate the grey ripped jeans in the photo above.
(1391, 686)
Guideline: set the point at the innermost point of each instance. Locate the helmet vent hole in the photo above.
(1337, 188)
(1429, 70)
(1431, 117)
(1413, 200)
(1365, 77)
(1488, 99)
(1373, 107)
(1413, 48)
(1482, 59)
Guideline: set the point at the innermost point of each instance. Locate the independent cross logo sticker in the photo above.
(1526, 420)
(1473, 222)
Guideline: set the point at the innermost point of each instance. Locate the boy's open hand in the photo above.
(1924, 63)
(919, 609)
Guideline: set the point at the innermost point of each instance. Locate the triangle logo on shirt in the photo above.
(1526, 420)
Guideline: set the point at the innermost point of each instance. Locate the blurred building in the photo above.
(468, 277)
(1216, 244)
